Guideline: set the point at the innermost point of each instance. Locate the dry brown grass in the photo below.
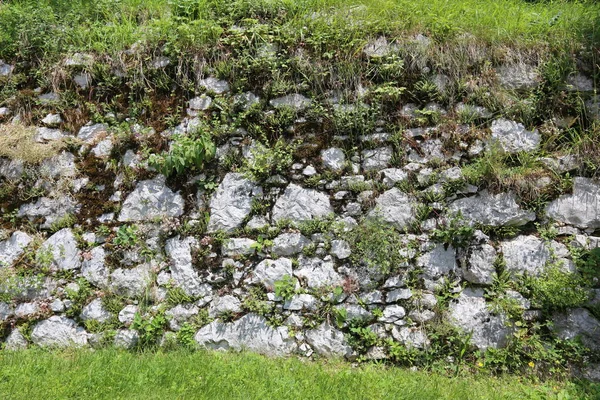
(17, 142)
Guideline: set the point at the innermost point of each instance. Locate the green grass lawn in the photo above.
(113, 374)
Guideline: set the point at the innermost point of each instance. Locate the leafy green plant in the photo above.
(376, 244)
(557, 289)
(127, 236)
(285, 287)
(187, 154)
(267, 161)
(454, 232)
(150, 328)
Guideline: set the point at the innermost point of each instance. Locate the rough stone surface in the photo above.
(300, 302)
(15, 341)
(151, 199)
(179, 314)
(582, 208)
(214, 85)
(95, 311)
(126, 338)
(298, 204)
(340, 249)
(479, 267)
(518, 76)
(183, 273)
(376, 159)
(391, 176)
(91, 133)
(249, 332)
(127, 314)
(333, 158)
(495, 210)
(288, 244)
(12, 248)
(238, 246)
(295, 101)
(224, 304)
(93, 267)
(470, 314)
(395, 207)
(525, 254)
(580, 323)
(317, 272)
(270, 271)
(50, 209)
(231, 202)
(130, 282)
(513, 137)
(58, 331)
(328, 341)
(59, 166)
(410, 337)
(438, 261)
(63, 249)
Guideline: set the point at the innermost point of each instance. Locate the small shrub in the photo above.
(454, 233)
(285, 287)
(150, 328)
(556, 289)
(127, 236)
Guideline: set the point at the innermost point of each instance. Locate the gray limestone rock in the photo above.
(410, 337)
(179, 314)
(298, 204)
(5, 311)
(12, 169)
(93, 267)
(288, 244)
(495, 210)
(214, 85)
(376, 159)
(91, 133)
(391, 176)
(151, 199)
(268, 271)
(513, 137)
(50, 209)
(183, 273)
(479, 267)
(232, 202)
(525, 254)
(398, 294)
(59, 166)
(238, 246)
(58, 332)
(224, 304)
(318, 272)
(578, 322)
(95, 311)
(392, 314)
(439, 261)
(13, 247)
(250, 332)
(395, 207)
(301, 302)
(200, 103)
(582, 208)
(62, 248)
(518, 76)
(126, 338)
(130, 282)
(127, 314)
(295, 101)
(328, 341)
(340, 249)
(333, 158)
(471, 314)
(15, 341)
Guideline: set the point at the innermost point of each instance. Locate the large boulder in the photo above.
(13, 247)
(232, 202)
(298, 204)
(328, 342)
(58, 332)
(151, 199)
(582, 208)
(183, 273)
(470, 314)
(512, 137)
(396, 208)
(492, 209)
(249, 332)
